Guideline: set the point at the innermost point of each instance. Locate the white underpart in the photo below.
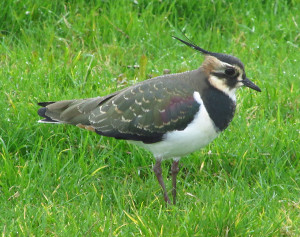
(196, 135)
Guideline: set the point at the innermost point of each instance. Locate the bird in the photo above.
(171, 115)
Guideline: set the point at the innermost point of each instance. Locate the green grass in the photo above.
(63, 181)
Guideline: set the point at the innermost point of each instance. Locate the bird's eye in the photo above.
(230, 71)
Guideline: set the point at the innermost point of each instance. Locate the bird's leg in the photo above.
(174, 170)
(158, 172)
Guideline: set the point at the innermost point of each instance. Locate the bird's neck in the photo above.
(219, 105)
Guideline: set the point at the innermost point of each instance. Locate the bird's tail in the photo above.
(42, 112)
(76, 112)
(68, 111)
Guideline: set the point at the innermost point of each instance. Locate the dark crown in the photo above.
(222, 57)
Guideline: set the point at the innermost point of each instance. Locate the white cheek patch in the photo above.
(221, 85)
(239, 79)
(218, 83)
(239, 84)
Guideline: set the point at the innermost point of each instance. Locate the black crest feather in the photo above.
(222, 57)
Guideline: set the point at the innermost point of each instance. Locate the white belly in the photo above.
(180, 143)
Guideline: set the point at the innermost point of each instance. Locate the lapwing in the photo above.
(170, 115)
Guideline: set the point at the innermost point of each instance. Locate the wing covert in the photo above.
(146, 112)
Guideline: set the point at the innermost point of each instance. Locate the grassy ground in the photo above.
(63, 181)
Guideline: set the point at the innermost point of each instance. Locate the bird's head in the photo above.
(224, 71)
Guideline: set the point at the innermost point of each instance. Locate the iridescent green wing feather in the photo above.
(147, 111)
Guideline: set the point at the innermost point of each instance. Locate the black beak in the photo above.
(250, 84)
